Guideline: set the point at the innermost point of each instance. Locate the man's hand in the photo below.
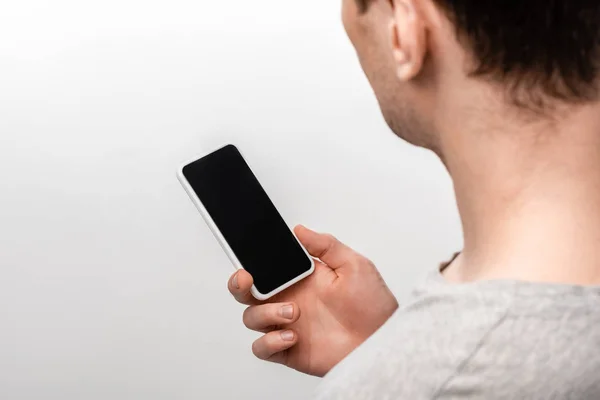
(316, 323)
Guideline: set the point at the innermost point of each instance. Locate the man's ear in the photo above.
(407, 31)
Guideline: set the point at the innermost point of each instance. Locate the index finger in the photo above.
(239, 286)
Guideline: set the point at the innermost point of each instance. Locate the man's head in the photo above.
(425, 57)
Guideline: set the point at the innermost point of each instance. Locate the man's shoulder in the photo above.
(448, 339)
(419, 348)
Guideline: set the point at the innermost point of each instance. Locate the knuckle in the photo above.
(270, 340)
(330, 238)
(239, 298)
(359, 259)
(263, 313)
(331, 245)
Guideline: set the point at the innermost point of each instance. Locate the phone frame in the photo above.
(221, 239)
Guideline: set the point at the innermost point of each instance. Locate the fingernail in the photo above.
(234, 281)
(287, 311)
(288, 336)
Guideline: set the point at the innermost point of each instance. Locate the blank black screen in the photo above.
(247, 218)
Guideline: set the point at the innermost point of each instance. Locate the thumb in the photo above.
(324, 247)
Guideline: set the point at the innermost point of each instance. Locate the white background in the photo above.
(111, 286)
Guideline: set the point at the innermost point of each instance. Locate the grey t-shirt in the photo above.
(485, 340)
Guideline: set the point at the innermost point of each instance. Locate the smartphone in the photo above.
(245, 221)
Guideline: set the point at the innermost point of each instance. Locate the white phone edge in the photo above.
(221, 239)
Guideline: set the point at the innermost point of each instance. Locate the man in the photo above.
(506, 93)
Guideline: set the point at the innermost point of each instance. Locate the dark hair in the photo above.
(539, 49)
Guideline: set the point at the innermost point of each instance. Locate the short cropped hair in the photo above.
(540, 49)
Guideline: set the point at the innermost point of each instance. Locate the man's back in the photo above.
(485, 340)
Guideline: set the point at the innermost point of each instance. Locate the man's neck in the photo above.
(529, 198)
